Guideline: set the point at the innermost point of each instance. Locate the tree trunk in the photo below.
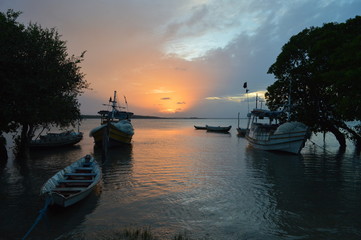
(355, 135)
(3, 152)
(339, 135)
(25, 137)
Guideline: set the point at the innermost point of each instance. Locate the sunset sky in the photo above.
(179, 58)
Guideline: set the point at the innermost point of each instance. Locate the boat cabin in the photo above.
(114, 116)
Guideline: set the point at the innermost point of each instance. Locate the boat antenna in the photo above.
(114, 99)
(126, 103)
(114, 103)
(261, 101)
(256, 100)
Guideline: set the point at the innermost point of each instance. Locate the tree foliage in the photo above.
(39, 81)
(323, 67)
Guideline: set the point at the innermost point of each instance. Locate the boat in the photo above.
(218, 129)
(241, 131)
(67, 138)
(272, 136)
(200, 127)
(73, 183)
(115, 126)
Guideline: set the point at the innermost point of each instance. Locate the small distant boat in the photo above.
(116, 127)
(218, 129)
(200, 127)
(73, 183)
(242, 131)
(62, 139)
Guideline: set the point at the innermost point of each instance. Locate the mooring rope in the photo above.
(42, 212)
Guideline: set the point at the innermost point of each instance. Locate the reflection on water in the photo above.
(174, 178)
(60, 223)
(310, 196)
(116, 166)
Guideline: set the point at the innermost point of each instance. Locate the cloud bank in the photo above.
(164, 54)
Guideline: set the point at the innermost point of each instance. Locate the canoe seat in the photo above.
(68, 189)
(80, 174)
(84, 168)
(76, 181)
(87, 164)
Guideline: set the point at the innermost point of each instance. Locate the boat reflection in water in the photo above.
(71, 219)
(115, 128)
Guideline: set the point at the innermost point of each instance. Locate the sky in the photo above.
(179, 58)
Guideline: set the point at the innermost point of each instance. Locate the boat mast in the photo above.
(256, 100)
(114, 104)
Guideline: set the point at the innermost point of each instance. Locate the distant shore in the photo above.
(140, 117)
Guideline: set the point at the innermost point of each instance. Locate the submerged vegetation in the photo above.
(39, 81)
(320, 69)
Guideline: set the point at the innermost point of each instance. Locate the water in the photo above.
(175, 179)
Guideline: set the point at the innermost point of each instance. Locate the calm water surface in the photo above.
(176, 179)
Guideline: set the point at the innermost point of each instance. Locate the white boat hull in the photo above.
(287, 137)
(289, 142)
(60, 200)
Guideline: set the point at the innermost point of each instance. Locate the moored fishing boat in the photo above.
(73, 183)
(287, 137)
(62, 139)
(218, 128)
(116, 127)
(200, 127)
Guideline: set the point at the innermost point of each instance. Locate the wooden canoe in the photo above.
(73, 183)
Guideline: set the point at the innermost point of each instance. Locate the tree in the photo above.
(11, 39)
(323, 66)
(40, 81)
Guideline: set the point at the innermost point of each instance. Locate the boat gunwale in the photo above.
(48, 187)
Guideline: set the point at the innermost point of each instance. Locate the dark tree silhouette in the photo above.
(39, 81)
(323, 67)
